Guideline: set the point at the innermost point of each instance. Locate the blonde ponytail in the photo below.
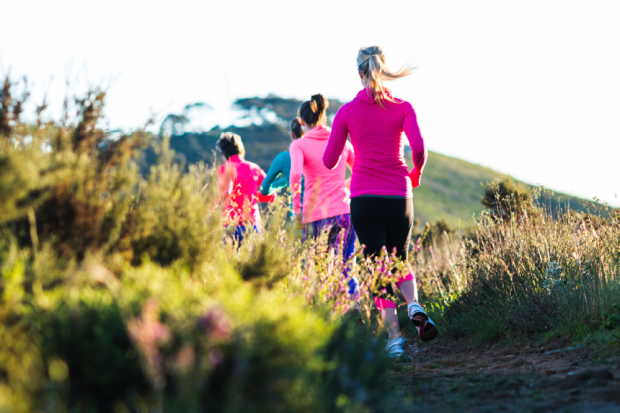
(371, 63)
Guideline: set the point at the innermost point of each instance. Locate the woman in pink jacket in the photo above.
(238, 183)
(326, 198)
(381, 186)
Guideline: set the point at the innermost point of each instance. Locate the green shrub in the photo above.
(503, 199)
(118, 294)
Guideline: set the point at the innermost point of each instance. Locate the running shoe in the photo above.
(426, 328)
(395, 347)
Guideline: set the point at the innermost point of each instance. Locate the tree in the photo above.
(275, 109)
(174, 124)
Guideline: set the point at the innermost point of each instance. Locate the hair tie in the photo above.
(365, 57)
(362, 59)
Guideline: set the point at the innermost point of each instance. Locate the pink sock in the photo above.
(408, 277)
(382, 303)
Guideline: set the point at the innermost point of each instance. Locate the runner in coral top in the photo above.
(238, 184)
(381, 186)
(326, 196)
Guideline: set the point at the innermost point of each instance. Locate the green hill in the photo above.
(450, 190)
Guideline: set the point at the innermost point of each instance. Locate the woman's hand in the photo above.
(297, 221)
(415, 176)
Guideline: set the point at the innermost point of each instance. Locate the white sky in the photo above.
(529, 88)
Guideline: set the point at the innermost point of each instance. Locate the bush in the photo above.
(118, 294)
(504, 199)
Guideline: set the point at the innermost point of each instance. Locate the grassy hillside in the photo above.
(451, 190)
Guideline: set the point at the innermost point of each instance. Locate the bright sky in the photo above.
(529, 88)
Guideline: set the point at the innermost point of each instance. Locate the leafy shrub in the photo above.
(118, 294)
(504, 199)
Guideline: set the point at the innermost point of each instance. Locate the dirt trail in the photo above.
(557, 377)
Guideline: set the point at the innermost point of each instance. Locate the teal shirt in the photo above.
(281, 165)
(273, 182)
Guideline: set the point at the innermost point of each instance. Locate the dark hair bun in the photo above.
(313, 110)
(295, 127)
(230, 144)
(319, 103)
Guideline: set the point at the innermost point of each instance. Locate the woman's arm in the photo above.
(261, 179)
(279, 183)
(418, 149)
(350, 155)
(337, 139)
(269, 186)
(297, 164)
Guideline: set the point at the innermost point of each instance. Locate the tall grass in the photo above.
(524, 271)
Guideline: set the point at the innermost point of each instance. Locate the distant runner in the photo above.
(326, 197)
(238, 183)
(381, 187)
(281, 167)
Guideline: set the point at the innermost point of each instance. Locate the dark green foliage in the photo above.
(10, 108)
(89, 336)
(349, 374)
(264, 268)
(504, 200)
(174, 124)
(612, 321)
(357, 368)
(262, 143)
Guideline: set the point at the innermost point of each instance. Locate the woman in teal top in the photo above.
(280, 169)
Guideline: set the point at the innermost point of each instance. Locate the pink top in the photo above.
(376, 135)
(239, 182)
(325, 193)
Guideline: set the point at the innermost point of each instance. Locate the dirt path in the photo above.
(556, 377)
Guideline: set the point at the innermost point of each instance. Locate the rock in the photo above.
(574, 392)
